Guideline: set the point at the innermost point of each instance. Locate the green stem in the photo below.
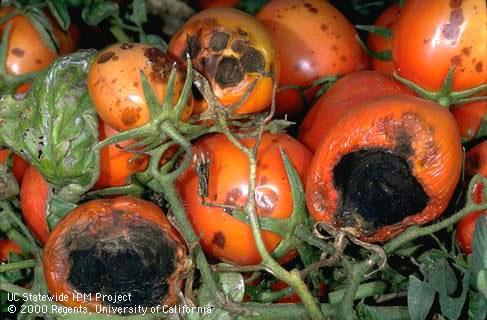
(363, 291)
(25, 264)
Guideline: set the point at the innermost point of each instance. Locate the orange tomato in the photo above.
(470, 117)
(7, 247)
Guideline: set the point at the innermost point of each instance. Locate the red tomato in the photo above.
(313, 40)
(34, 196)
(431, 36)
(19, 165)
(343, 96)
(293, 297)
(7, 247)
(377, 43)
(223, 236)
(470, 117)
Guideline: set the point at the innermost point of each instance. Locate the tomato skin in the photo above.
(115, 87)
(19, 165)
(433, 154)
(313, 40)
(378, 44)
(470, 118)
(6, 247)
(446, 32)
(34, 196)
(223, 236)
(475, 162)
(232, 50)
(342, 97)
(206, 4)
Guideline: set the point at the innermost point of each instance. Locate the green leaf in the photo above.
(43, 26)
(55, 127)
(420, 298)
(233, 285)
(59, 10)
(156, 41)
(95, 11)
(452, 307)
(477, 306)
(479, 260)
(442, 277)
(139, 13)
(57, 209)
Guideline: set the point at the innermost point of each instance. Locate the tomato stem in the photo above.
(12, 266)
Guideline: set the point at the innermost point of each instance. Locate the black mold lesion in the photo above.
(229, 72)
(377, 188)
(139, 261)
(219, 41)
(252, 61)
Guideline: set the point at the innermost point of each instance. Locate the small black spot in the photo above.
(104, 57)
(219, 41)
(253, 61)
(242, 32)
(240, 46)
(229, 72)
(219, 239)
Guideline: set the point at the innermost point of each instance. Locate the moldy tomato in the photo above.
(223, 236)
(391, 162)
(475, 162)
(115, 246)
(470, 118)
(314, 40)
(342, 97)
(115, 86)
(19, 165)
(232, 50)
(431, 36)
(34, 197)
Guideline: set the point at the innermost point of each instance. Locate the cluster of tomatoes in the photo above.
(379, 151)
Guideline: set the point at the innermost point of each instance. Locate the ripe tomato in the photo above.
(6, 247)
(314, 40)
(475, 162)
(117, 165)
(115, 246)
(342, 97)
(19, 165)
(223, 236)
(378, 43)
(470, 117)
(34, 196)
(392, 162)
(231, 49)
(206, 4)
(115, 86)
(431, 36)
(293, 297)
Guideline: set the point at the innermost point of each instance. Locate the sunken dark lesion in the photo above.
(377, 188)
(138, 261)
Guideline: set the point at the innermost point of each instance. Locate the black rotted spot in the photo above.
(240, 46)
(229, 72)
(219, 41)
(252, 61)
(139, 263)
(193, 46)
(377, 186)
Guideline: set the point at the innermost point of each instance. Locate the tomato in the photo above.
(343, 96)
(431, 36)
(293, 297)
(470, 118)
(223, 236)
(34, 196)
(115, 246)
(19, 165)
(475, 162)
(378, 43)
(7, 247)
(117, 165)
(206, 4)
(26, 50)
(392, 162)
(313, 40)
(232, 50)
(115, 86)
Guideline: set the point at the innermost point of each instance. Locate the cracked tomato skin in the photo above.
(470, 118)
(223, 236)
(378, 44)
(342, 97)
(232, 50)
(446, 32)
(34, 197)
(475, 162)
(314, 40)
(115, 86)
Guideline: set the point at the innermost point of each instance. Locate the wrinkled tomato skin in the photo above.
(343, 96)
(223, 236)
(206, 4)
(475, 162)
(117, 165)
(470, 117)
(313, 40)
(34, 197)
(19, 165)
(115, 86)
(7, 247)
(431, 36)
(377, 43)
(220, 37)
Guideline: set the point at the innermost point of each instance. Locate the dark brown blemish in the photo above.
(455, 3)
(219, 41)
(456, 61)
(479, 67)
(193, 46)
(343, 58)
(113, 80)
(105, 57)
(252, 61)
(466, 51)
(324, 27)
(426, 40)
(18, 52)
(159, 64)
(403, 145)
(311, 8)
(451, 30)
(472, 164)
(263, 180)
(232, 196)
(219, 239)
(242, 32)
(240, 46)
(38, 61)
(126, 46)
(229, 72)
(115, 58)
(130, 116)
(135, 84)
